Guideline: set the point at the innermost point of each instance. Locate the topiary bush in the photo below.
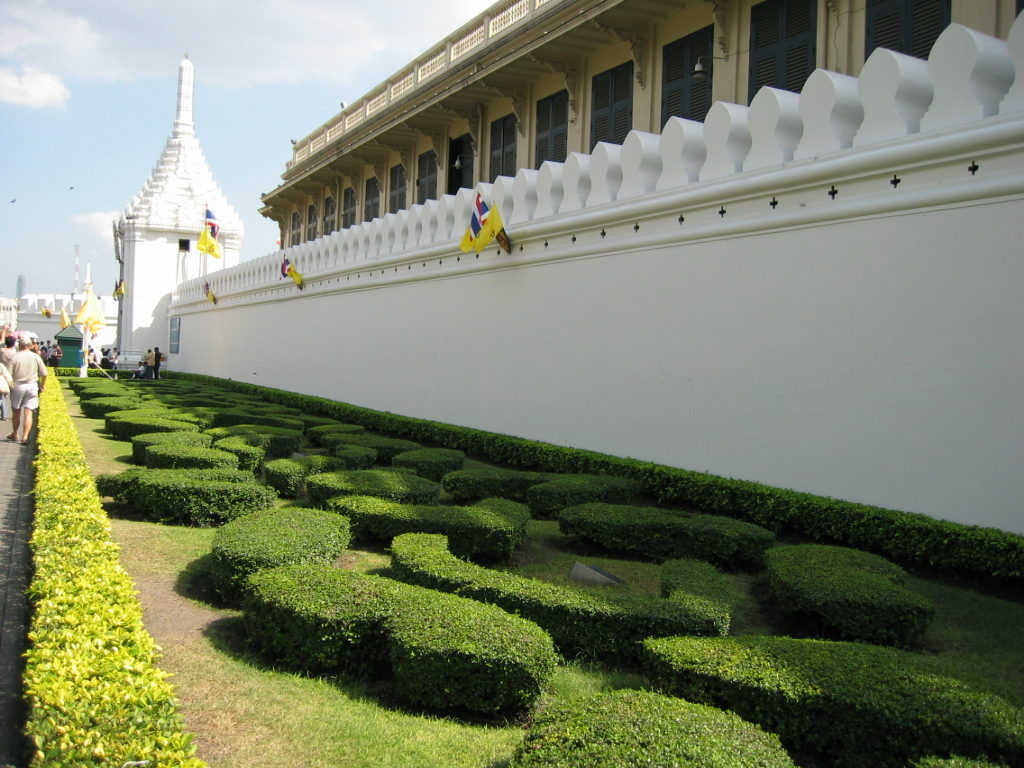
(355, 456)
(249, 449)
(548, 498)
(467, 485)
(98, 407)
(288, 476)
(489, 531)
(176, 456)
(659, 534)
(849, 705)
(140, 443)
(580, 622)
(396, 486)
(271, 538)
(248, 415)
(700, 589)
(431, 463)
(640, 729)
(445, 653)
(125, 427)
(279, 442)
(387, 447)
(317, 433)
(848, 594)
(121, 486)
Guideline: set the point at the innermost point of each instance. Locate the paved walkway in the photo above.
(16, 478)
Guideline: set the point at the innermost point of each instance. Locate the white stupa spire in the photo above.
(183, 124)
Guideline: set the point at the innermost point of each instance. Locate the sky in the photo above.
(88, 93)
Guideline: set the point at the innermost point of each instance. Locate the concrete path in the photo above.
(16, 507)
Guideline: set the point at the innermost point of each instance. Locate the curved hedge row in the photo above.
(659, 534)
(387, 484)
(141, 443)
(699, 588)
(445, 652)
(905, 537)
(851, 594)
(639, 729)
(386, 447)
(95, 695)
(317, 433)
(489, 531)
(279, 442)
(431, 463)
(579, 622)
(271, 538)
(176, 456)
(848, 705)
(288, 476)
(249, 449)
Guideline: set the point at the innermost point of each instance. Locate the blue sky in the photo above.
(87, 100)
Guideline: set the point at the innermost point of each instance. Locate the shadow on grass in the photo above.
(195, 581)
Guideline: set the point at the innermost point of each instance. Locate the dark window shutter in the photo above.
(311, 222)
(426, 177)
(460, 148)
(682, 94)
(330, 219)
(296, 234)
(371, 201)
(396, 188)
(503, 147)
(782, 44)
(348, 210)
(612, 113)
(552, 128)
(907, 26)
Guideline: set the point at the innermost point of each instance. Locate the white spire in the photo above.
(183, 124)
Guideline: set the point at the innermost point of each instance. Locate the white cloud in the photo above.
(99, 224)
(32, 88)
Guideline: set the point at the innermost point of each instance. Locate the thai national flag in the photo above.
(211, 222)
(479, 217)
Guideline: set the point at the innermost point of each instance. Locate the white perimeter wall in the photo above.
(864, 345)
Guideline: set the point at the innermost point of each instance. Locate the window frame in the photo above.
(552, 133)
(612, 102)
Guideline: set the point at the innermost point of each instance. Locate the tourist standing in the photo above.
(158, 358)
(148, 360)
(29, 374)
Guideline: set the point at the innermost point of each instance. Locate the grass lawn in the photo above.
(243, 713)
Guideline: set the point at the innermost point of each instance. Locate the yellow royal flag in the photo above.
(208, 237)
(90, 314)
(65, 321)
(485, 225)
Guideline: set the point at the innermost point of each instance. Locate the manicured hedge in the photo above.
(280, 442)
(386, 447)
(659, 534)
(905, 537)
(355, 456)
(445, 652)
(98, 407)
(140, 443)
(547, 499)
(954, 762)
(701, 589)
(288, 476)
(580, 622)
(848, 594)
(489, 531)
(316, 434)
(176, 456)
(467, 485)
(247, 415)
(271, 538)
(94, 693)
(393, 485)
(431, 463)
(249, 449)
(124, 425)
(640, 729)
(848, 705)
(189, 497)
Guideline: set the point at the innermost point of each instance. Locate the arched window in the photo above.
(296, 234)
(330, 214)
(311, 222)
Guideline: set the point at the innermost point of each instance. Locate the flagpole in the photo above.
(82, 370)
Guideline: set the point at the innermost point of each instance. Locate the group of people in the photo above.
(149, 364)
(51, 353)
(22, 378)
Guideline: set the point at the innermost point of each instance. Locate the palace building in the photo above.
(535, 80)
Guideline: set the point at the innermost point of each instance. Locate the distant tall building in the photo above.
(156, 236)
(21, 286)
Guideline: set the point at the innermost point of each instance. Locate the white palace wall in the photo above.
(819, 292)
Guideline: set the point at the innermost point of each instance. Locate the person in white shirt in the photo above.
(29, 374)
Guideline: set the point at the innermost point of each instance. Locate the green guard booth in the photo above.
(70, 342)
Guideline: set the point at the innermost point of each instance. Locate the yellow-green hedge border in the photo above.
(95, 695)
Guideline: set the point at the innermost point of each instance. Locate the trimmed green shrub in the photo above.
(445, 652)
(847, 593)
(141, 442)
(176, 456)
(127, 427)
(98, 390)
(236, 416)
(640, 729)
(905, 537)
(548, 498)
(954, 762)
(396, 486)
(386, 447)
(121, 486)
(489, 531)
(659, 534)
(580, 622)
(271, 538)
(700, 588)
(281, 442)
(355, 456)
(315, 434)
(249, 449)
(474, 484)
(98, 407)
(431, 463)
(288, 476)
(848, 705)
